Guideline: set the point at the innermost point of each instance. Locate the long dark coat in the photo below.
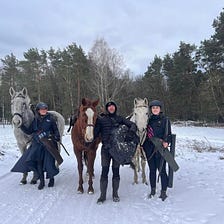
(37, 152)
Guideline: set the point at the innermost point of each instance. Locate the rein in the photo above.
(143, 136)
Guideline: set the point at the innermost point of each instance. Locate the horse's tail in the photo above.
(85, 158)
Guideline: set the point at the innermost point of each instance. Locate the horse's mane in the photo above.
(22, 94)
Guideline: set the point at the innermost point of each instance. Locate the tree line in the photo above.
(189, 82)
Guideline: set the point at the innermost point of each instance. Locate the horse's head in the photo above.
(141, 113)
(88, 115)
(19, 104)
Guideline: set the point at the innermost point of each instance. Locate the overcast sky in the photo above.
(137, 29)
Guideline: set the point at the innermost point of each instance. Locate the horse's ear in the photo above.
(135, 102)
(95, 103)
(12, 92)
(24, 91)
(146, 102)
(83, 101)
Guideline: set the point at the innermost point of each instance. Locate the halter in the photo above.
(16, 113)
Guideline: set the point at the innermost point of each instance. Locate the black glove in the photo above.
(130, 136)
(42, 135)
(57, 138)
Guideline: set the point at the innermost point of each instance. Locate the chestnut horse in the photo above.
(82, 135)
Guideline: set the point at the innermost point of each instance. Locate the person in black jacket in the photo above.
(105, 125)
(38, 158)
(158, 126)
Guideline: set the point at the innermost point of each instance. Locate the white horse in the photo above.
(140, 118)
(22, 114)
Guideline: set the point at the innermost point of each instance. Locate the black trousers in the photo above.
(154, 165)
(106, 159)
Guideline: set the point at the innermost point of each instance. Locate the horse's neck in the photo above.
(132, 118)
(28, 117)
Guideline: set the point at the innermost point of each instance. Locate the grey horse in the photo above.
(140, 118)
(22, 113)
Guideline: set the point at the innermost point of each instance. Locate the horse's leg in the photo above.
(23, 180)
(80, 169)
(22, 148)
(35, 178)
(143, 163)
(138, 159)
(135, 169)
(91, 159)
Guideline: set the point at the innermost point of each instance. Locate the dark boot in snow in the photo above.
(41, 176)
(152, 193)
(163, 195)
(51, 182)
(115, 186)
(42, 183)
(103, 190)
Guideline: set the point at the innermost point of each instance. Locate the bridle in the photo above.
(142, 133)
(24, 107)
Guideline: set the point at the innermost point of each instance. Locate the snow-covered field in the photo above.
(197, 196)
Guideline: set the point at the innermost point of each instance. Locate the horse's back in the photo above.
(59, 120)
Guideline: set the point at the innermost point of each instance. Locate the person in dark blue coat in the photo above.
(105, 126)
(158, 126)
(37, 158)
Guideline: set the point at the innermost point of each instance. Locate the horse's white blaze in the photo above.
(89, 129)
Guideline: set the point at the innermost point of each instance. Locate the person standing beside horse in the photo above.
(158, 126)
(38, 157)
(105, 126)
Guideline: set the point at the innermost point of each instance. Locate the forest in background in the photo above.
(189, 82)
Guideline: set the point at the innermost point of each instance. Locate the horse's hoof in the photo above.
(80, 190)
(23, 182)
(90, 192)
(33, 182)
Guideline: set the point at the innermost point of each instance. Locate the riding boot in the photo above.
(51, 182)
(163, 195)
(115, 186)
(103, 190)
(152, 193)
(41, 176)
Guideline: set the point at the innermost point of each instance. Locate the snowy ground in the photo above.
(197, 196)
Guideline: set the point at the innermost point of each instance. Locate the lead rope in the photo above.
(141, 143)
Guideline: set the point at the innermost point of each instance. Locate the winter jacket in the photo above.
(42, 124)
(106, 124)
(157, 126)
(37, 152)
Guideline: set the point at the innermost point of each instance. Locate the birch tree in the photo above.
(108, 71)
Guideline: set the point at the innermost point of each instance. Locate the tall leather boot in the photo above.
(152, 193)
(51, 182)
(115, 186)
(103, 190)
(41, 176)
(163, 195)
